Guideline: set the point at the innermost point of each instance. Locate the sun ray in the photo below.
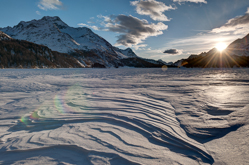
(232, 59)
(209, 61)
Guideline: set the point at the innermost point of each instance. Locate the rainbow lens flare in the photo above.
(59, 105)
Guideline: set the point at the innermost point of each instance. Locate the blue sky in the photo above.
(158, 29)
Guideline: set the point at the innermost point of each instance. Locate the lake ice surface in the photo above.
(124, 116)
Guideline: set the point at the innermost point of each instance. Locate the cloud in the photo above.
(89, 26)
(195, 1)
(133, 30)
(140, 46)
(106, 18)
(152, 8)
(37, 12)
(171, 51)
(50, 4)
(237, 25)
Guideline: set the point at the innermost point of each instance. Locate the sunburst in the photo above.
(221, 46)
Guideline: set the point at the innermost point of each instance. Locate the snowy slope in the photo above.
(24, 54)
(127, 53)
(239, 47)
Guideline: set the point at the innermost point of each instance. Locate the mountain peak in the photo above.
(54, 20)
(51, 18)
(128, 49)
(127, 52)
(46, 20)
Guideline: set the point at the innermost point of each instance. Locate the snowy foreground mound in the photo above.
(124, 116)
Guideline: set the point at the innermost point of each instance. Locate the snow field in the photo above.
(124, 116)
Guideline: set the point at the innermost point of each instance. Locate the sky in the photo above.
(159, 29)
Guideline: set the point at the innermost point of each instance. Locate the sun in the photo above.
(221, 46)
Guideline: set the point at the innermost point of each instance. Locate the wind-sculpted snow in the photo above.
(124, 116)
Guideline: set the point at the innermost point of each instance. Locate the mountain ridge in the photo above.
(58, 36)
(235, 55)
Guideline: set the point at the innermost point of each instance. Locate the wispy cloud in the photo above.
(152, 8)
(195, 1)
(106, 18)
(237, 25)
(89, 26)
(38, 13)
(140, 46)
(50, 4)
(133, 30)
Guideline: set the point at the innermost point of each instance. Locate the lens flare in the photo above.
(34, 116)
(27, 119)
(164, 68)
(62, 100)
(58, 104)
(62, 103)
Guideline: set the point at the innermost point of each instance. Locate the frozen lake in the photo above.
(124, 116)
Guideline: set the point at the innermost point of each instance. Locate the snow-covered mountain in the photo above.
(239, 47)
(127, 53)
(58, 36)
